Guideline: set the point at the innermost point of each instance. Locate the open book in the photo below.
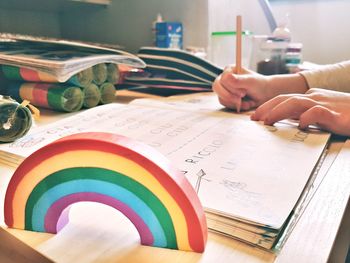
(249, 177)
(59, 58)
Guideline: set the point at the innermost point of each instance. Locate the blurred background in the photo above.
(320, 25)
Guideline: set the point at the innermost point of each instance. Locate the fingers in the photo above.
(247, 104)
(320, 116)
(328, 110)
(291, 108)
(230, 98)
(336, 121)
(231, 83)
(261, 112)
(224, 86)
(231, 88)
(219, 89)
(231, 102)
(283, 107)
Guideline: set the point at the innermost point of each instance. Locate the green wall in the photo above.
(129, 22)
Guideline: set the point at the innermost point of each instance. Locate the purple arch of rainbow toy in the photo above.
(59, 213)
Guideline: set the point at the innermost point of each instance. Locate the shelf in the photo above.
(95, 2)
(50, 6)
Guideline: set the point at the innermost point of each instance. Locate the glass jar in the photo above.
(294, 57)
(222, 48)
(272, 57)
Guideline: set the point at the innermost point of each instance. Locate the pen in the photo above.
(238, 53)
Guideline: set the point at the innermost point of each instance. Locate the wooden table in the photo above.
(97, 233)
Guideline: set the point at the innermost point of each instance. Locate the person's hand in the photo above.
(245, 91)
(329, 110)
(249, 90)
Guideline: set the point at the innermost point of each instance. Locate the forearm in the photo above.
(285, 84)
(332, 77)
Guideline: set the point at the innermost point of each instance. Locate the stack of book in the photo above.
(172, 69)
(58, 74)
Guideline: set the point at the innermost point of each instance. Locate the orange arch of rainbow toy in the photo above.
(113, 170)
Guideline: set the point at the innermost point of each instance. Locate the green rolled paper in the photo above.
(55, 96)
(107, 93)
(11, 72)
(83, 78)
(65, 98)
(99, 73)
(112, 73)
(92, 96)
(15, 120)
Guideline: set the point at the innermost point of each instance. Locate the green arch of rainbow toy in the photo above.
(113, 170)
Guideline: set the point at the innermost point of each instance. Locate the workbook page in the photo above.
(237, 166)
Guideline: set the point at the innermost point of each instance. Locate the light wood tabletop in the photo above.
(97, 233)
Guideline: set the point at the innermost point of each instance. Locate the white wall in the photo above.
(323, 26)
(222, 15)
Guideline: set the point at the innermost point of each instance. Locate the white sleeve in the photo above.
(333, 77)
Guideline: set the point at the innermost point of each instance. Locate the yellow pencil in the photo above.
(238, 52)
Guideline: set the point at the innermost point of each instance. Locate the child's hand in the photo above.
(244, 91)
(329, 110)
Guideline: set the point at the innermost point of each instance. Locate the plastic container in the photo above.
(159, 19)
(274, 50)
(294, 57)
(282, 33)
(255, 56)
(272, 57)
(222, 48)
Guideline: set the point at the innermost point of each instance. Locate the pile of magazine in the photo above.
(59, 58)
(172, 69)
(59, 74)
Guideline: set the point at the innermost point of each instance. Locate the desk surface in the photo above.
(101, 234)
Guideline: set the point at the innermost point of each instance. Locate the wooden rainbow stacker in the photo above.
(113, 170)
